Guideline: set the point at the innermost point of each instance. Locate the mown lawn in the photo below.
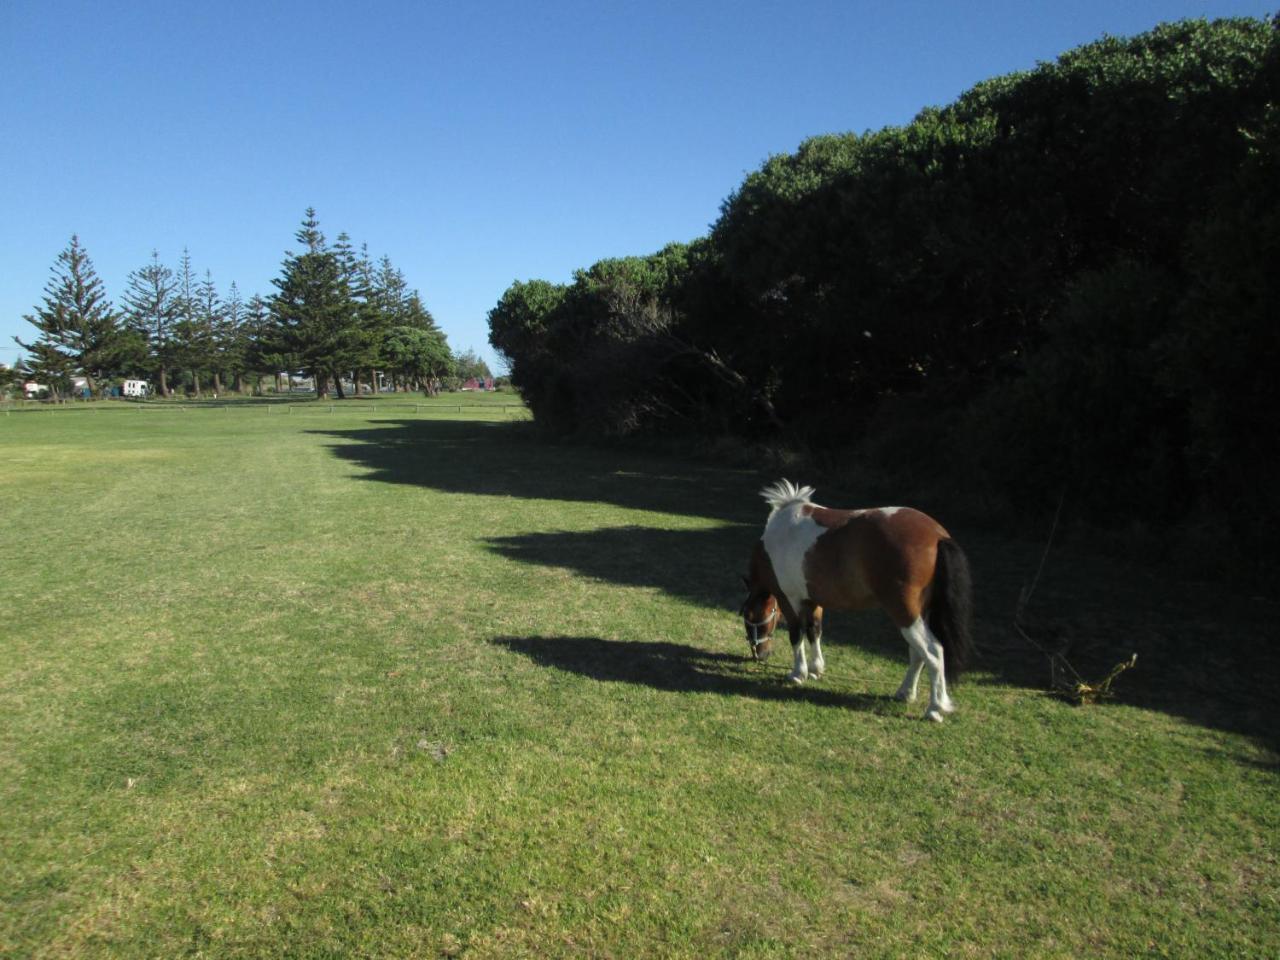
(410, 682)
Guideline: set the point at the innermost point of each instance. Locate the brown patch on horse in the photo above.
(827, 517)
(875, 558)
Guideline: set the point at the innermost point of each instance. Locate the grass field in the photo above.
(409, 682)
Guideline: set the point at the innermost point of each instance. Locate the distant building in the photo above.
(476, 384)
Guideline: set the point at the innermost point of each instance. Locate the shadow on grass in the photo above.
(679, 668)
(700, 566)
(509, 459)
(1204, 654)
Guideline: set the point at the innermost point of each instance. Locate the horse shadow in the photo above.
(679, 668)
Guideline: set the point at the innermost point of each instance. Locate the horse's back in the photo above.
(883, 556)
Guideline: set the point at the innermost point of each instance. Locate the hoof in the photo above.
(797, 678)
(947, 707)
(934, 715)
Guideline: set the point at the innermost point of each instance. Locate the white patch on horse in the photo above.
(788, 536)
(888, 511)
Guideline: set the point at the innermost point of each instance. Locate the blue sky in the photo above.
(473, 143)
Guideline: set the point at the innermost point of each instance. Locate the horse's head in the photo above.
(760, 612)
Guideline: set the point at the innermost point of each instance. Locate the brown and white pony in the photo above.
(901, 560)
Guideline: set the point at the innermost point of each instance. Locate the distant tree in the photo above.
(230, 339)
(150, 311)
(9, 378)
(370, 322)
(265, 352)
(417, 355)
(468, 364)
(397, 308)
(313, 307)
(79, 331)
(190, 337)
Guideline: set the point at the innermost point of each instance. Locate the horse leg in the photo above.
(911, 682)
(813, 630)
(922, 642)
(799, 671)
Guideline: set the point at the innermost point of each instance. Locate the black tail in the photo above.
(951, 607)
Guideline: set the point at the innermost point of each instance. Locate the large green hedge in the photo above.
(1073, 267)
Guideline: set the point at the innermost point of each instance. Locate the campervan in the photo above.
(136, 388)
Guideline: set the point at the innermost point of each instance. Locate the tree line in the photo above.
(1063, 284)
(336, 315)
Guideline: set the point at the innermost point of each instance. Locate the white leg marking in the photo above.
(911, 682)
(819, 666)
(922, 642)
(799, 672)
(944, 699)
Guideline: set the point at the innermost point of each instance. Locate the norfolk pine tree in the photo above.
(79, 330)
(150, 310)
(314, 309)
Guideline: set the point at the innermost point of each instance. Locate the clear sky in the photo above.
(474, 143)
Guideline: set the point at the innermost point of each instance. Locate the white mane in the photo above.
(784, 492)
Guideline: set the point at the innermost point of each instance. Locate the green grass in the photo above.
(413, 683)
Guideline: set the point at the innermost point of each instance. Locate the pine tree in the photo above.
(150, 310)
(313, 307)
(185, 326)
(230, 337)
(357, 272)
(265, 349)
(79, 330)
(209, 319)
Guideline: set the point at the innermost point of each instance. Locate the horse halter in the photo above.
(755, 625)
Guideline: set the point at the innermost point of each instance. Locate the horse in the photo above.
(812, 558)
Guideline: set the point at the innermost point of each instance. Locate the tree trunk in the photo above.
(337, 380)
(217, 383)
(164, 383)
(195, 382)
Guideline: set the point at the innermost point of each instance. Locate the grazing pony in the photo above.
(901, 560)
